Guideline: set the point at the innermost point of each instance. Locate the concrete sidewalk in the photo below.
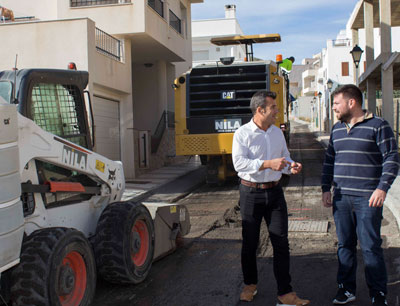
(393, 197)
(166, 184)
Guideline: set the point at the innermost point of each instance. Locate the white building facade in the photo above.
(335, 63)
(203, 30)
(129, 47)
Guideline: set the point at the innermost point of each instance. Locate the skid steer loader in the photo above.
(62, 221)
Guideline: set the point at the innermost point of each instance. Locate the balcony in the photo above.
(341, 42)
(309, 74)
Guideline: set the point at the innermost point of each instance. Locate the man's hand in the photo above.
(295, 167)
(377, 198)
(276, 164)
(327, 199)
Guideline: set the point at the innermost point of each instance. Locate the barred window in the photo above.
(175, 22)
(158, 6)
(77, 3)
(58, 109)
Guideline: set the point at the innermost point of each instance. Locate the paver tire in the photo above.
(57, 268)
(124, 243)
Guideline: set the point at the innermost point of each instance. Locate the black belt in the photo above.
(266, 185)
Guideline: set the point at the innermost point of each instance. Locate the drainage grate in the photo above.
(308, 226)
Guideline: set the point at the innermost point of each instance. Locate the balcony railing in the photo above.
(109, 45)
(341, 42)
(77, 3)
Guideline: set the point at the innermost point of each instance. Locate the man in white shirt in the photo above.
(260, 155)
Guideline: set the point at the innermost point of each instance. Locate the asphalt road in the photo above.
(205, 270)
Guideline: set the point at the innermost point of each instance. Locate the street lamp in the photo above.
(329, 85)
(356, 54)
(319, 107)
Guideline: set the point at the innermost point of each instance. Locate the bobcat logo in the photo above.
(111, 174)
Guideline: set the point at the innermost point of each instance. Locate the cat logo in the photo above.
(228, 95)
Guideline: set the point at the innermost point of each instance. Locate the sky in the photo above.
(304, 25)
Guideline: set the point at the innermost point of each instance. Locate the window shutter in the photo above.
(345, 68)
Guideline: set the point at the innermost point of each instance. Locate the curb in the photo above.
(393, 199)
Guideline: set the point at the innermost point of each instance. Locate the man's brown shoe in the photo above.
(248, 292)
(291, 299)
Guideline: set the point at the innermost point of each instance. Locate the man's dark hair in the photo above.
(259, 100)
(350, 91)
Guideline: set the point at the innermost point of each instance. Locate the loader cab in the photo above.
(53, 99)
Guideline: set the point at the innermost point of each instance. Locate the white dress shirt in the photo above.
(252, 145)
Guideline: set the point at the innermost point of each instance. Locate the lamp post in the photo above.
(320, 111)
(356, 54)
(329, 85)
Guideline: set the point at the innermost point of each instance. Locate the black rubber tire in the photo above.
(35, 280)
(113, 242)
(5, 288)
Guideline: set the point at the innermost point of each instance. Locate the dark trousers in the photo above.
(270, 204)
(354, 220)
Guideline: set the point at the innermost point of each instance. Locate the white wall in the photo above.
(41, 9)
(202, 32)
(149, 94)
(334, 57)
(46, 44)
(214, 27)
(113, 19)
(53, 44)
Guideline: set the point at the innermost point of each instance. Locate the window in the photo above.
(6, 90)
(345, 68)
(157, 5)
(175, 22)
(77, 3)
(58, 109)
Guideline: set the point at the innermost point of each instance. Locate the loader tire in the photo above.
(57, 268)
(124, 243)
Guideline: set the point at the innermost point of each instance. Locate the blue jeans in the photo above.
(355, 219)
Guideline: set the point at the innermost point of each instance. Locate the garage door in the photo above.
(106, 122)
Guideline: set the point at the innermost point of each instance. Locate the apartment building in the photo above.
(131, 49)
(335, 63)
(203, 30)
